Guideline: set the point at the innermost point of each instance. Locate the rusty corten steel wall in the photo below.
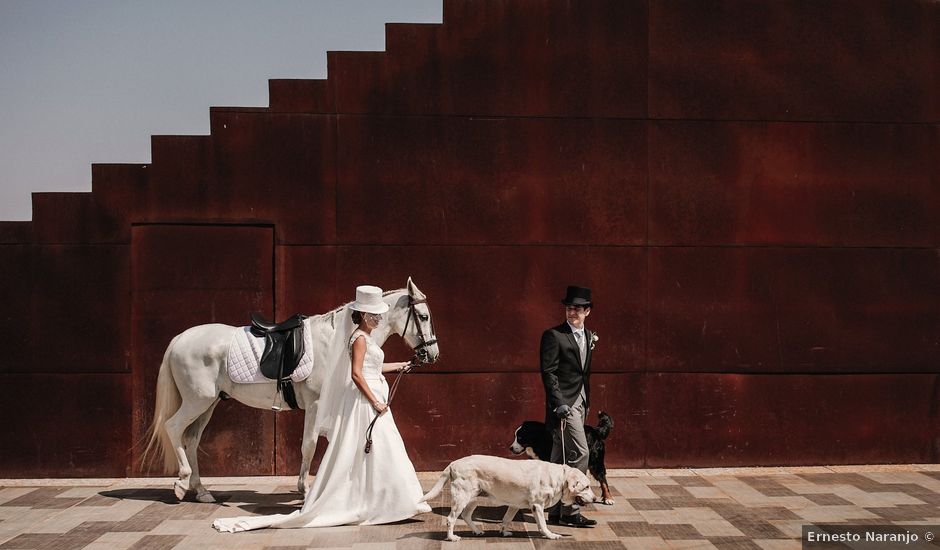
(751, 189)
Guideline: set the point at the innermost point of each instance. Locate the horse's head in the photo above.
(411, 318)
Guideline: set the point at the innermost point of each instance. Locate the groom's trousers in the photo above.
(576, 449)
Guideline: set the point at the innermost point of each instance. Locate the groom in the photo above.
(565, 354)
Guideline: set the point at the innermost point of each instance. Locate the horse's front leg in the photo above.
(307, 448)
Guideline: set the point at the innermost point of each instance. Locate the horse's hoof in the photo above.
(205, 496)
(179, 490)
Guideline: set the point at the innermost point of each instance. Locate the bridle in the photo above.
(421, 354)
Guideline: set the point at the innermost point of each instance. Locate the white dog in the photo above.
(477, 480)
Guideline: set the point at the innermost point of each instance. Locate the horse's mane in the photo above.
(340, 308)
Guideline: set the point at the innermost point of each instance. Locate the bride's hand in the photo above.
(380, 407)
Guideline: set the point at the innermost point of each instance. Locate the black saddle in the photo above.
(283, 349)
(262, 324)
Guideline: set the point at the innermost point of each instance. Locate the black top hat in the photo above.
(577, 296)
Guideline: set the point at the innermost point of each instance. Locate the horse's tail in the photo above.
(167, 403)
(436, 490)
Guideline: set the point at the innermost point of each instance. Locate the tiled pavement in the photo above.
(711, 508)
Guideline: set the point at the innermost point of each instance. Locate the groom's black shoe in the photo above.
(577, 520)
(554, 519)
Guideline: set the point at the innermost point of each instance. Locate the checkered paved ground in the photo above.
(741, 508)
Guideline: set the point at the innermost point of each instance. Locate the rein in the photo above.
(391, 395)
(563, 426)
(420, 354)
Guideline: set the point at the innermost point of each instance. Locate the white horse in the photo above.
(194, 374)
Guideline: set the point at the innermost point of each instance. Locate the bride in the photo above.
(352, 486)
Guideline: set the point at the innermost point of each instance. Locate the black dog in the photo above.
(534, 440)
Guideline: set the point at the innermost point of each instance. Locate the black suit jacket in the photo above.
(562, 372)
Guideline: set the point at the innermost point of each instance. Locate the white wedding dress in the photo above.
(352, 487)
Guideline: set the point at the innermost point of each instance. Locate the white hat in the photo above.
(369, 300)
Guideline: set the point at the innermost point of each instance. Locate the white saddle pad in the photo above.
(244, 357)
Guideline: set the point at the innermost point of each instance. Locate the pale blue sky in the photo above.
(85, 81)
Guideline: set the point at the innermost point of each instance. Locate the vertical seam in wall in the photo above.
(135, 461)
(645, 379)
(335, 178)
(332, 84)
(647, 306)
(649, 40)
(933, 450)
(275, 315)
(274, 308)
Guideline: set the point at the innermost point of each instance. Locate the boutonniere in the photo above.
(594, 339)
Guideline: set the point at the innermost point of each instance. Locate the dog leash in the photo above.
(391, 395)
(564, 425)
